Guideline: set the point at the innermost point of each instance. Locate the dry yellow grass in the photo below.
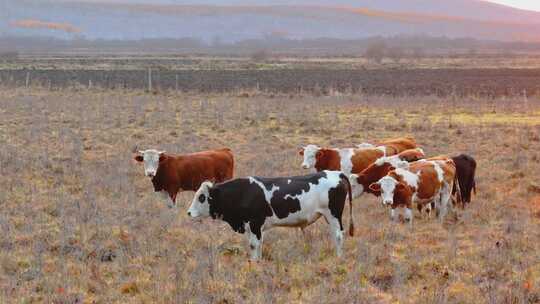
(80, 223)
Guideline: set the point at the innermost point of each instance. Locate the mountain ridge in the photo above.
(106, 20)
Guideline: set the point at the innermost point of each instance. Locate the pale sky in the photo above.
(524, 4)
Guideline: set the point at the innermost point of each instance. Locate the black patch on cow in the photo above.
(239, 201)
(284, 206)
(255, 227)
(465, 171)
(336, 200)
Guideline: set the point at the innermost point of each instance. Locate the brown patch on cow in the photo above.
(402, 196)
(449, 169)
(372, 174)
(411, 155)
(429, 183)
(439, 157)
(397, 145)
(327, 159)
(362, 158)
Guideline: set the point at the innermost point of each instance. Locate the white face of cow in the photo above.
(200, 205)
(150, 159)
(387, 186)
(309, 152)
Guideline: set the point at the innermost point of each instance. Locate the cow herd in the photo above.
(395, 170)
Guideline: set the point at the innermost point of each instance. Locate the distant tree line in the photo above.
(375, 48)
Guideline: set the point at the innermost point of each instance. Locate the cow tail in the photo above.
(233, 164)
(349, 190)
(456, 189)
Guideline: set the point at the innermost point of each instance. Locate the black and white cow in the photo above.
(256, 204)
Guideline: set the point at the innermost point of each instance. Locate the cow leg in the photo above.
(254, 246)
(436, 203)
(255, 238)
(393, 214)
(428, 207)
(408, 215)
(305, 234)
(336, 232)
(444, 201)
(168, 198)
(420, 208)
(172, 200)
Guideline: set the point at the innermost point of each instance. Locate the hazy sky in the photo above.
(525, 4)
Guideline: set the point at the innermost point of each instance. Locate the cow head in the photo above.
(412, 155)
(200, 206)
(151, 159)
(387, 186)
(310, 153)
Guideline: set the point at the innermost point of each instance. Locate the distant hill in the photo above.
(297, 19)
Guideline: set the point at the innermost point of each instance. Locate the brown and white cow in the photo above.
(351, 160)
(423, 182)
(173, 173)
(360, 182)
(346, 160)
(396, 145)
(465, 172)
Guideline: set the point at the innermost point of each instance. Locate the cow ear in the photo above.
(162, 157)
(400, 186)
(375, 187)
(319, 154)
(138, 158)
(301, 151)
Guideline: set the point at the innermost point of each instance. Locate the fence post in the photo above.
(176, 84)
(27, 79)
(149, 80)
(525, 99)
